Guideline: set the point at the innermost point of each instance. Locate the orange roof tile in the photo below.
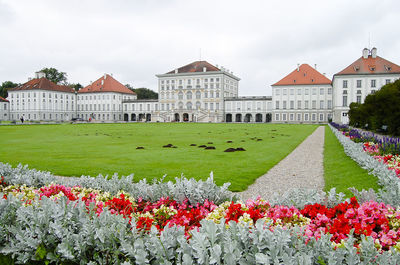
(196, 67)
(306, 75)
(42, 84)
(3, 100)
(106, 84)
(370, 65)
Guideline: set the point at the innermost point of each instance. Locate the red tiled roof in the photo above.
(3, 100)
(370, 65)
(42, 84)
(196, 67)
(305, 76)
(108, 84)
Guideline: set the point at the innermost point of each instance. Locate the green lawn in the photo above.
(341, 172)
(90, 149)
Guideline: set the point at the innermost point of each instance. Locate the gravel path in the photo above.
(303, 168)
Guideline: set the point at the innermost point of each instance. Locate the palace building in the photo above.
(303, 96)
(102, 99)
(202, 92)
(41, 99)
(4, 109)
(364, 76)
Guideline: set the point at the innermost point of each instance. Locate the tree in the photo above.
(5, 86)
(55, 76)
(76, 86)
(143, 93)
(379, 109)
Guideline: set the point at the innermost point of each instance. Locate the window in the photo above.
(277, 92)
(299, 116)
(306, 104)
(180, 95)
(306, 91)
(344, 83)
(217, 94)
(359, 91)
(284, 104)
(299, 104)
(329, 91)
(284, 116)
(373, 91)
(387, 81)
(314, 91)
(321, 117)
(344, 92)
(358, 83)
(344, 101)
(321, 104)
(291, 116)
(277, 105)
(321, 91)
(314, 117)
(306, 116)
(291, 104)
(277, 117)
(205, 105)
(205, 94)
(373, 83)
(211, 106)
(198, 95)
(198, 105)
(189, 105)
(314, 104)
(359, 99)
(299, 91)
(284, 91)
(329, 104)
(292, 91)
(189, 95)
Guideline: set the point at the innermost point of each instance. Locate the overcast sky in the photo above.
(260, 41)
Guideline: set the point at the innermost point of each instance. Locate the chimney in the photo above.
(176, 71)
(204, 69)
(298, 67)
(102, 82)
(315, 66)
(373, 52)
(365, 53)
(105, 76)
(39, 75)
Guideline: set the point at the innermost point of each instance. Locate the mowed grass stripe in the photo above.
(340, 171)
(92, 149)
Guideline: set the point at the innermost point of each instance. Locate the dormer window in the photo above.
(388, 68)
(372, 67)
(356, 68)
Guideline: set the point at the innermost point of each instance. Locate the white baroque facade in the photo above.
(4, 109)
(363, 77)
(40, 99)
(195, 92)
(303, 96)
(248, 109)
(102, 99)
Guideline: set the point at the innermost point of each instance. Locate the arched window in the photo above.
(189, 95)
(198, 95)
(180, 95)
(198, 105)
(189, 105)
(180, 105)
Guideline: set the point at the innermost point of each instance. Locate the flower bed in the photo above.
(384, 149)
(116, 221)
